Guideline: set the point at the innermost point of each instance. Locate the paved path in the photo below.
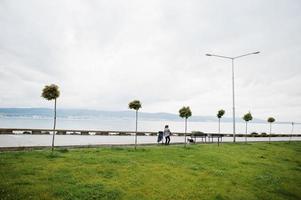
(69, 140)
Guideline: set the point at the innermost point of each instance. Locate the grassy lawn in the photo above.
(231, 171)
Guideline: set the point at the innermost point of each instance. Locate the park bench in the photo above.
(194, 136)
(218, 136)
(204, 136)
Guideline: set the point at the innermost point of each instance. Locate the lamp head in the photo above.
(257, 52)
(208, 54)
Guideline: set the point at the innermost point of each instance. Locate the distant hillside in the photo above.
(86, 114)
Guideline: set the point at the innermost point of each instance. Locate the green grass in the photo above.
(231, 171)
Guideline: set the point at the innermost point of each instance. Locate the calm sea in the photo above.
(129, 125)
(114, 124)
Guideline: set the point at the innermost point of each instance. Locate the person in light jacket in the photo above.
(167, 134)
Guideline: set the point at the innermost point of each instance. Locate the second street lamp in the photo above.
(233, 94)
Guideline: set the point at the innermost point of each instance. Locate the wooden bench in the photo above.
(204, 136)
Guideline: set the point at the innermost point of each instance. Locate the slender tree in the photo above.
(247, 117)
(135, 105)
(292, 131)
(52, 92)
(219, 115)
(185, 112)
(270, 120)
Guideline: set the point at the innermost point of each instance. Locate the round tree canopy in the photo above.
(185, 112)
(271, 119)
(220, 113)
(136, 105)
(51, 92)
(247, 117)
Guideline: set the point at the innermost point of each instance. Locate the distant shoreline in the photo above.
(47, 113)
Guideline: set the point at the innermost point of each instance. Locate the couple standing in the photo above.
(166, 133)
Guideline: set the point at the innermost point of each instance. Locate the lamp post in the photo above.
(233, 94)
(292, 132)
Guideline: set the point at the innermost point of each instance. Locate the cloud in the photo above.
(105, 53)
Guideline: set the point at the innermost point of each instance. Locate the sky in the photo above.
(103, 54)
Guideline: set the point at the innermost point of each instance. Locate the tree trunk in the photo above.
(270, 132)
(185, 132)
(54, 123)
(246, 131)
(219, 125)
(136, 129)
(219, 130)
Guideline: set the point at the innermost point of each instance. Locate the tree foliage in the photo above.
(271, 119)
(220, 113)
(185, 112)
(136, 105)
(51, 92)
(248, 117)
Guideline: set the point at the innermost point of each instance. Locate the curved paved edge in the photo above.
(30, 148)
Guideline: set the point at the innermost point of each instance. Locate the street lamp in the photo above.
(233, 99)
(293, 123)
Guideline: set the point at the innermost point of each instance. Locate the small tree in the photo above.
(247, 117)
(51, 92)
(219, 115)
(135, 105)
(270, 120)
(185, 112)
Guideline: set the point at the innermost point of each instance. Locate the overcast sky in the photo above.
(103, 54)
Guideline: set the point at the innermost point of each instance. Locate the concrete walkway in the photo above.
(9, 141)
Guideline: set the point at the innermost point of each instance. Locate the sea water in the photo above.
(114, 124)
(125, 124)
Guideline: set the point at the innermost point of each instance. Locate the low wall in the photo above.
(25, 131)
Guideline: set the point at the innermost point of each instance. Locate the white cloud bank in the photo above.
(103, 54)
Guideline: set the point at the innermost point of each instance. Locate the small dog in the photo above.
(190, 140)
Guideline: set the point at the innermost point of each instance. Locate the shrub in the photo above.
(197, 133)
(264, 134)
(102, 133)
(254, 134)
(123, 133)
(61, 132)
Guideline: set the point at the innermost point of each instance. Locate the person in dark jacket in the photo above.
(160, 137)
